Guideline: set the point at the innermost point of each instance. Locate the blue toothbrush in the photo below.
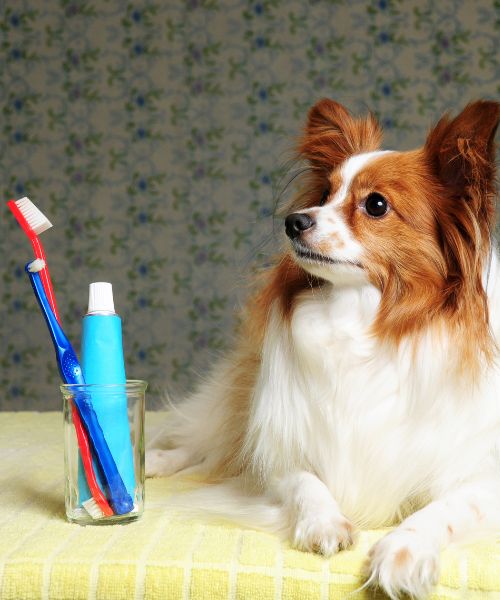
(71, 373)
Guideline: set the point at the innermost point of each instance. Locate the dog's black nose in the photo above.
(296, 223)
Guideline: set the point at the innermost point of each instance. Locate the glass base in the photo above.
(81, 517)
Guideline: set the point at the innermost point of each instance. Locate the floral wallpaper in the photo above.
(156, 137)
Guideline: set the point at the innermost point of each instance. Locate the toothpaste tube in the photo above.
(103, 363)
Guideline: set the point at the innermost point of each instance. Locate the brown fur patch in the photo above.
(279, 287)
(401, 558)
(335, 180)
(324, 246)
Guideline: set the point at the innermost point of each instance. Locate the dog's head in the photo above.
(416, 224)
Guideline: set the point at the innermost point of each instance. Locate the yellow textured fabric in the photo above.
(164, 555)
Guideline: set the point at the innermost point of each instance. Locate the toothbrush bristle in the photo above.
(34, 217)
(37, 265)
(93, 508)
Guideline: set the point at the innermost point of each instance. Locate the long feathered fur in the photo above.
(369, 379)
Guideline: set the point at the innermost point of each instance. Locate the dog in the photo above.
(364, 390)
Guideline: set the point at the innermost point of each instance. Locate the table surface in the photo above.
(164, 554)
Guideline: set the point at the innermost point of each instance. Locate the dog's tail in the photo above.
(230, 501)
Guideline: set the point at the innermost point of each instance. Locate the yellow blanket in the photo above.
(164, 556)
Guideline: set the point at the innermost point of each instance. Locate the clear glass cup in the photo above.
(120, 410)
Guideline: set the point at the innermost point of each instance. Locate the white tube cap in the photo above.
(101, 298)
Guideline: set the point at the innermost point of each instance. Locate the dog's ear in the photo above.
(461, 151)
(332, 134)
(327, 116)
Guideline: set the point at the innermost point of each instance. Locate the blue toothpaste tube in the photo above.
(103, 363)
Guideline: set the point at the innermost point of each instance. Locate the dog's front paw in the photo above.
(404, 562)
(324, 531)
(161, 463)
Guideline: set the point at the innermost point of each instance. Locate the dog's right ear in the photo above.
(332, 135)
(327, 116)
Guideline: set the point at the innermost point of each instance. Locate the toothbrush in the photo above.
(97, 506)
(34, 222)
(71, 373)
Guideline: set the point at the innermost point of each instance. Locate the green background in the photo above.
(156, 138)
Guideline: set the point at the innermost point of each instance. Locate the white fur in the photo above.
(344, 430)
(407, 560)
(315, 520)
(335, 399)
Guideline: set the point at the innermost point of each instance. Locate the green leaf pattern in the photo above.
(157, 138)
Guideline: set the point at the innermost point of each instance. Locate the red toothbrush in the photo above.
(34, 222)
(101, 504)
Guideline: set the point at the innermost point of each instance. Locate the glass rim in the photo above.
(130, 384)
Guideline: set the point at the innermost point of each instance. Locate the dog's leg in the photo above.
(407, 559)
(316, 523)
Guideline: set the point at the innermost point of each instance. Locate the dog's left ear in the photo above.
(462, 150)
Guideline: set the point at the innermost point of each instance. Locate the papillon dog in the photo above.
(364, 390)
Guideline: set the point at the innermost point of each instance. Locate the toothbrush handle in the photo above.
(83, 445)
(45, 276)
(118, 496)
(81, 434)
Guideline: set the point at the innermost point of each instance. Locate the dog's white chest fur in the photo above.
(382, 431)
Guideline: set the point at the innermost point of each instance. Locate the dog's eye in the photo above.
(376, 205)
(324, 197)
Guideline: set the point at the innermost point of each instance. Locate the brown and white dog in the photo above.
(365, 387)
